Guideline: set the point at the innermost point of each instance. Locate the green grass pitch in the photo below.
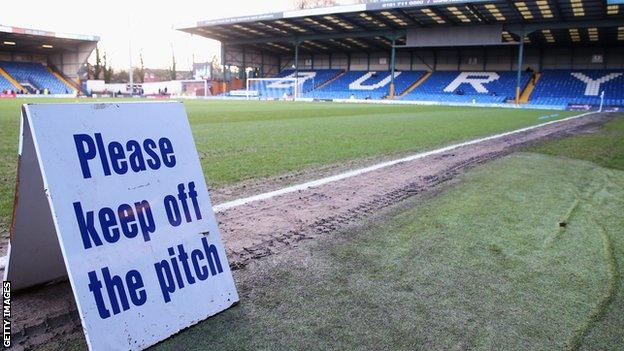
(253, 140)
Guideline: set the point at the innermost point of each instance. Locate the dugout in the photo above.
(425, 34)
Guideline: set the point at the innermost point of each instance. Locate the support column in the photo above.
(519, 75)
(392, 65)
(224, 84)
(261, 64)
(330, 60)
(411, 60)
(296, 58)
(296, 68)
(485, 58)
(348, 61)
(312, 62)
(244, 75)
(368, 61)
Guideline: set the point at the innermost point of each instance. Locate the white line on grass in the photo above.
(314, 183)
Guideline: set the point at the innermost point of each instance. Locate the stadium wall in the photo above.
(23, 57)
(465, 59)
(72, 63)
(490, 58)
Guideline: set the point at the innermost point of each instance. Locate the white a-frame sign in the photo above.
(113, 197)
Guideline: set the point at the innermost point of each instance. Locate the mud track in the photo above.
(268, 227)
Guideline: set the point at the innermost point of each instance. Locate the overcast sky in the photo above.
(148, 25)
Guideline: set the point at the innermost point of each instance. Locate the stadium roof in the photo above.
(40, 41)
(368, 27)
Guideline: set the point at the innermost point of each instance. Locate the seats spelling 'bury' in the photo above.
(313, 78)
(464, 87)
(366, 84)
(563, 86)
(308, 80)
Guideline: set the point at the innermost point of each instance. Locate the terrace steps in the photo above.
(329, 81)
(63, 79)
(416, 83)
(524, 97)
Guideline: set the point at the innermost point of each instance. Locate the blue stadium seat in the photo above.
(466, 87)
(36, 75)
(310, 80)
(366, 84)
(5, 85)
(562, 87)
(320, 77)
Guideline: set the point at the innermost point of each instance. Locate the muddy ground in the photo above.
(268, 227)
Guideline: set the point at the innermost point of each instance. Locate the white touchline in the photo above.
(314, 183)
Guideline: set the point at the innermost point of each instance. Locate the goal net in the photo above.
(288, 88)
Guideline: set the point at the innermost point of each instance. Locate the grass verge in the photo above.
(474, 268)
(604, 147)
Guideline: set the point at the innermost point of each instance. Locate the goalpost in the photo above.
(288, 88)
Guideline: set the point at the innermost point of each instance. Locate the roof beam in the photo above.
(515, 9)
(253, 26)
(556, 9)
(405, 16)
(381, 19)
(412, 20)
(372, 44)
(530, 28)
(334, 25)
(323, 36)
(477, 12)
(336, 46)
(440, 14)
(348, 21)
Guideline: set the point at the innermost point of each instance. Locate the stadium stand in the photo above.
(562, 87)
(309, 80)
(313, 78)
(365, 85)
(5, 85)
(466, 57)
(480, 87)
(35, 75)
(557, 88)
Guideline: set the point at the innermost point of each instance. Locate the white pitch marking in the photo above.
(314, 183)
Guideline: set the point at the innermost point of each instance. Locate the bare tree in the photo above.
(308, 4)
(140, 73)
(98, 64)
